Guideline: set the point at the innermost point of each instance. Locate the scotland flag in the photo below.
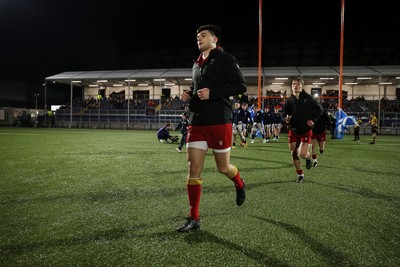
(343, 122)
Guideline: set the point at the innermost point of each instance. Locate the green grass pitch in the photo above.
(87, 197)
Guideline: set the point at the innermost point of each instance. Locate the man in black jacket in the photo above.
(216, 77)
(183, 125)
(301, 111)
(318, 138)
(239, 125)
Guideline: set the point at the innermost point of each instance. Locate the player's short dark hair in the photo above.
(298, 79)
(214, 29)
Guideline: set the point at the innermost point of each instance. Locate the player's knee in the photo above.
(303, 155)
(223, 169)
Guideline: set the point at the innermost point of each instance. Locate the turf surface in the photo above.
(74, 197)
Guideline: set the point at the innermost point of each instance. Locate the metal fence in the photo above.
(117, 118)
(149, 118)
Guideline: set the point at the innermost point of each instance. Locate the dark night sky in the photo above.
(40, 38)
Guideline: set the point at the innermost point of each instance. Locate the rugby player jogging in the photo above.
(301, 110)
(216, 77)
